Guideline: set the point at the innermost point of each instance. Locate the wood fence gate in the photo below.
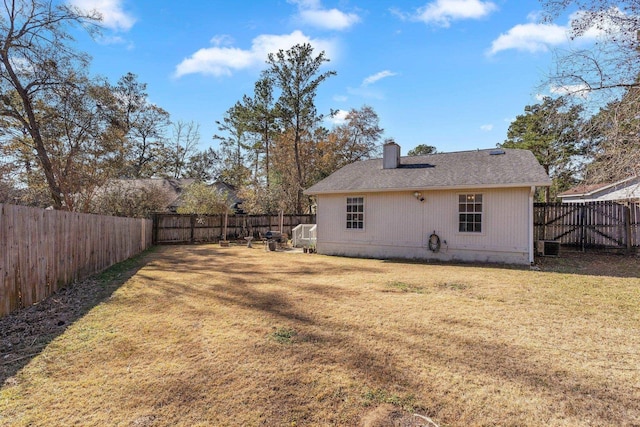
(599, 225)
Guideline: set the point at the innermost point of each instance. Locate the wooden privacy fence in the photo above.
(176, 228)
(600, 225)
(42, 251)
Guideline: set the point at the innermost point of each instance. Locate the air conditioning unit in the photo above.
(548, 247)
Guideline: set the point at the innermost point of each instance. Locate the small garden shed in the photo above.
(467, 206)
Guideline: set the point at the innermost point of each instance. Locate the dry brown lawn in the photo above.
(209, 336)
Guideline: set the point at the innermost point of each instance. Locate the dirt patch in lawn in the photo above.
(25, 333)
(202, 335)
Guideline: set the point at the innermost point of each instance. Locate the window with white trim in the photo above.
(355, 213)
(470, 213)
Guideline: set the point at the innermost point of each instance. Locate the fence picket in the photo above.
(176, 228)
(42, 251)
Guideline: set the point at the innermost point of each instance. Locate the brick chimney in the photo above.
(390, 155)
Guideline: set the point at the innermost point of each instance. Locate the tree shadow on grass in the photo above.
(372, 357)
(24, 334)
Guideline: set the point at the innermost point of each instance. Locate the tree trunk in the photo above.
(266, 152)
(547, 190)
(296, 149)
(41, 151)
(47, 168)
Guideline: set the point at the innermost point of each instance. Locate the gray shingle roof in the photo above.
(588, 190)
(463, 169)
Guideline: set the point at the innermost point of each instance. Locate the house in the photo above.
(169, 191)
(229, 191)
(467, 206)
(624, 190)
(166, 191)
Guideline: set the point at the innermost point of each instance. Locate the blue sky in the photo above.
(448, 73)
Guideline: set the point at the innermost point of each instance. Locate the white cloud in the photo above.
(109, 40)
(530, 37)
(221, 61)
(113, 15)
(340, 117)
(535, 37)
(378, 76)
(332, 19)
(221, 40)
(366, 90)
(307, 4)
(486, 128)
(216, 61)
(579, 90)
(605, 22)
(442, 12)
(311, 12)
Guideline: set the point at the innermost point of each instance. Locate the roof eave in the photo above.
(311, 192)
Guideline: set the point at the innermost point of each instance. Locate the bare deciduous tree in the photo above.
(613, 136)
(603, 77)
(612, 61)
(35, 58)
(184, 145)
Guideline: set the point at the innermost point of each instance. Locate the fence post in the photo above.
(193, 226)
(583, 233)
(544, 222)
(154, 229)
(221, 227)
(626, 209)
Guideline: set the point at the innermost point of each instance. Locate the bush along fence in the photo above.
(42, 251)
(590, 225)
(177, 229)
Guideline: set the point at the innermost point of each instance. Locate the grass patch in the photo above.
(454, 286)
(405, 287)
(200, 336)
(284, 335)
(378, 396)
(122, 270)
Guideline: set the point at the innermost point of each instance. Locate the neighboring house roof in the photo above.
(229, 190)
(584, 189)
(224, 189)
(171, 188)
(456, 170)
(628, 188)
(231, 194)
(174, 186)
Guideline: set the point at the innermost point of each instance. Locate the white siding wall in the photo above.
(398, 225)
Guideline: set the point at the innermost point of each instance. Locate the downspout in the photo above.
(531, 226)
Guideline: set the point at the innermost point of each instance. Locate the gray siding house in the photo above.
(624, 190)
(467, 206)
